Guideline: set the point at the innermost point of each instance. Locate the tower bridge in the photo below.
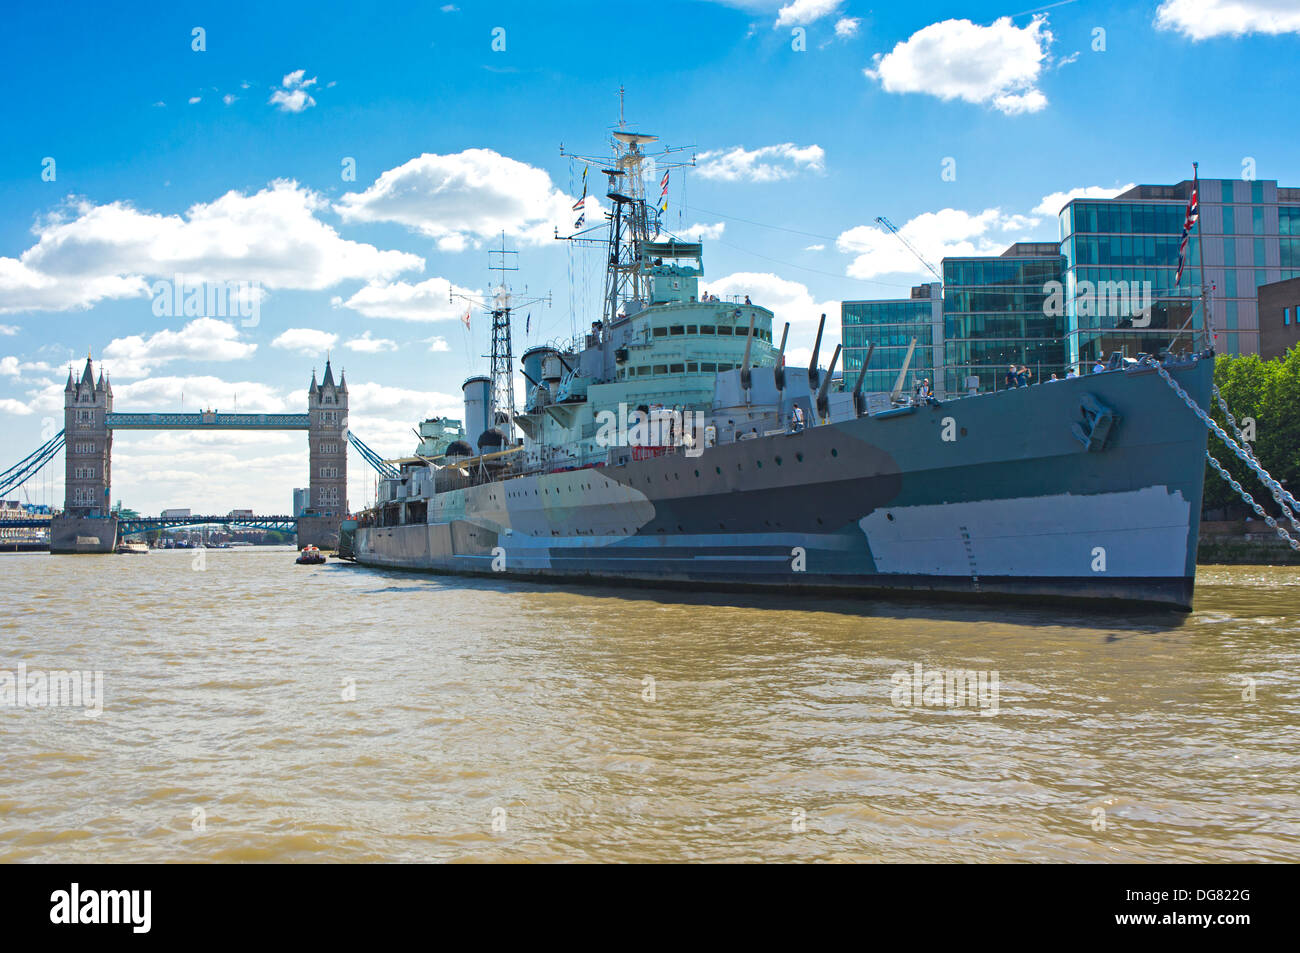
(87, 524)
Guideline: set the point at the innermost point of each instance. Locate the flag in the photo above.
(580, 206)
(528, 322)
(1189, 221)
(465, 317)
(663, 193)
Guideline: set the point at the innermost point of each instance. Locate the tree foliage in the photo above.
(1267, 393)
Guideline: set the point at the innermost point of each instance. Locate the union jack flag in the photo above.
(1193, 213)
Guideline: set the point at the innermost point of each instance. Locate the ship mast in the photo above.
(500, 303)
(630, 218)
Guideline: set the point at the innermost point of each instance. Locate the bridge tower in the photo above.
(327, 409)
(89, 444)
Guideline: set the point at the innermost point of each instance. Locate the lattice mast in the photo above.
(630, 217)
(500, 304)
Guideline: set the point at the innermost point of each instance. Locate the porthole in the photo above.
(778, 461)
(834, 452)
(799, 457)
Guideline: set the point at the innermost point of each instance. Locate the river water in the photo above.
(254, 710)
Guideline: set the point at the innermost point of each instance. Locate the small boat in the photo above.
(125, 548)
(310, 556)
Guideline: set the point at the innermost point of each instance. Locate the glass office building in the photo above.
(890, 325)
(1122, 253)
(996, 313)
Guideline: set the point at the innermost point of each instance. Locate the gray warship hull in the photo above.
(1020, 494)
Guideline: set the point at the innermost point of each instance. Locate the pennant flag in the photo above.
(1189, 221)
(663, 193)
(580, 206)
(465, 318)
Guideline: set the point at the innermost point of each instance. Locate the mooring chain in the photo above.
(1250, 500)
(1284, 499)
(1236, 430)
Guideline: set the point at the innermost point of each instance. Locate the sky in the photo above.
(341, 172)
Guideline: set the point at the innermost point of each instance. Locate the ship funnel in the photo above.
(779, 374)
(860, 402)
(823, 402)
(813, 377)
(746, 378)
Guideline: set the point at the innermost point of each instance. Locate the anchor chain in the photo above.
(1250, 500)
(1284, 499)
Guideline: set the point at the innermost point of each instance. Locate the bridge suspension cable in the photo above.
(31, 464)
(385, 470)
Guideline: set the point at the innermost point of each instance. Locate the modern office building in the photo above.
(301, 500)
(996, 313)
(891, 324)
(1250, 233)
(1279, 317)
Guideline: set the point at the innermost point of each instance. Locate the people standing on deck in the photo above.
(1011, 376)
(1098, 367)
(796, 419)
(1023, 376)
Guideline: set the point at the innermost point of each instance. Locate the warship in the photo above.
(672, 446)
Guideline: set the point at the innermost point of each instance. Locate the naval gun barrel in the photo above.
(813, 378)
(823, 402)
(859, 402)
(779, 372)
(746, 378)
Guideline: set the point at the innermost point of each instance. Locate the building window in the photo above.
(328, 473)
(1286, 316)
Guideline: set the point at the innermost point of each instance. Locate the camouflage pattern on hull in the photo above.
(986, 496)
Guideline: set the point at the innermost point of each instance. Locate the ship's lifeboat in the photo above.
(310, 556)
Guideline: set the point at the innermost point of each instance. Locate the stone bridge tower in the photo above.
(89, 443)
(327, 408)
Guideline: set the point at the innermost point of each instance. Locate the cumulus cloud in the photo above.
(426, 301)
(205, 339)
(8, 330)
(87, 253)
(15, 408)
(803, 12)
(947, 232)
(464, 197)
(308, 341)
(701, 232)
(292, 96)
(1203, 19)
(206, 391)
(846, 27)
(788, 301)
(764, 164)
(370, 345)
(998, 65)
(437, 344)
(12, 367)
(1052, 204)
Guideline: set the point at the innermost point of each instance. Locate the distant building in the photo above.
(235, 514)
(1279, 317)
(891, 324)
(301, 500)
(175, 513)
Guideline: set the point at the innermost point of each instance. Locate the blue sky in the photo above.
(227, 163)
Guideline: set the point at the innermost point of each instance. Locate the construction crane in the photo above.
(908, 245)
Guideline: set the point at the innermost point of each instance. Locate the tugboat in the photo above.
(131, 548)
(310, 556)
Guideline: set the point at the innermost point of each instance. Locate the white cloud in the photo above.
(426, 301)
(87, 253)
(700, 232)
(205, 339)
(437, 344)
(788, 301)
(947, 232)
(293, 97)
(998, 65)
(1052, 204)
(815, 248)
(463, 197)
(308, 341)
(846, 27)
(371, 345)
(12, 367)
(764, 164)
(14, 407)
(163, 393)
(1203, 19)
(803, 12)
(8, 330)
(229, 98)
(195, 99)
